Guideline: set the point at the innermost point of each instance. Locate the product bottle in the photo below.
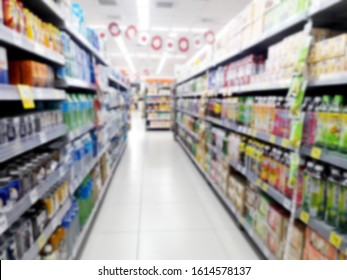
(342, 210)
(343, 139)
(322, 117)
(333, 194)
(318, 193)
(334, 123)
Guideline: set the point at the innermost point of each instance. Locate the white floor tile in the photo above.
(173, 216)
(236, 245)
(111, 246)
(180, 245)
(117, 218)
(168, 193)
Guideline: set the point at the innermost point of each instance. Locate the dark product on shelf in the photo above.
(18, 127)
(314, 194)
(31, 73)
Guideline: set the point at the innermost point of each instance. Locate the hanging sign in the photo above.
(170, 45)
(209, 37)
(131, 32)
(198, 42)
(114, 29)
(183, 44)
(157, 43)
(143, 39)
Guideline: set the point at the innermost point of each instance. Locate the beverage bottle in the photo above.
(343, 138)
(333, 193)
(342, 209)
(321, 115)
(334, 118)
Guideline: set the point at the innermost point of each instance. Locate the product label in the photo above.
(34, 196)
(41, 241)
(273, 139)
(26, 96)
(285, 143)
(305, 217)
(3, 223)
(265, 187)
(335, 239)
(316, 153)
(43, 137)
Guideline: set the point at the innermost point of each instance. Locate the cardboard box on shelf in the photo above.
(317, 248)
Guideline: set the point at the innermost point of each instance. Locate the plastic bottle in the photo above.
(343, 138)
(333, 193)
(320, 139)
(333, 132)
(342, 209)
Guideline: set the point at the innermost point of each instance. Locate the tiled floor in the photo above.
(159, 207)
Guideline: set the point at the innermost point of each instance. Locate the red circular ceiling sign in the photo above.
(114, 29)
(183, 44)
(209, 37)
(131, 32)
(157, 43)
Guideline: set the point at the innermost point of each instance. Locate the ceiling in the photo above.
(167, 18)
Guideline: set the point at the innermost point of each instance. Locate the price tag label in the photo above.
(335, 239)
(41, 241)
(17, 38)
(305, 217)
(39, 48)
(39, 93)
(266, 187)
(34, 196)
(273, 139)
(287, 203)
(316, 153)
(285, 143)
(3, 223)
(55, 222)
(43, 137)
(27, 96)
(259, 182)
(62, 172)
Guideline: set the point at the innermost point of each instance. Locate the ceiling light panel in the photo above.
(162, 4)
(108, 2)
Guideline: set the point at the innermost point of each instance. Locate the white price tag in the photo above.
(17, 38)
(243, 170)
(43, 137)
(3, 223)
(287, 203)
(61, 172)
(55, 222)
(39, 93)
(34, 196)
(39, 48)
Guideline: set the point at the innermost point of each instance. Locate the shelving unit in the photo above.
(111, 138)
(195, 94)
(158, 104)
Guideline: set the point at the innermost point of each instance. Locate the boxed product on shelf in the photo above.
(31, 73)
(317, 248)
(23, 21)
(252, 196)
(297, 242)
(3, 66)
(237, 192)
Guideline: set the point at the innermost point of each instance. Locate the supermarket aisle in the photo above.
(159, 207)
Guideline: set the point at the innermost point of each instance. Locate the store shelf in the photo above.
(248, 229)
(267, 86)
(115, 82)
(329, 80)
(188, 113)
(75, 84)
(158, 95)
(35, 249)
(158, 111)
(46, 8)
(331, 157)
(74, 185)
(9, 217)
(263, 136)
(159, 119)
(158, 102)
(191, 133)
(20, 146)
(327, 232)
(77, 133)
(84, 42)
(82, 236)
(11, 93)
(193, 94)
(14, 39)
(158, 128)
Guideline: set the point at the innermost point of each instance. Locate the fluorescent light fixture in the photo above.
(125, 53)
(160, 29)
(162, 63)
(198, 30)
(180, 30)
(143, 11)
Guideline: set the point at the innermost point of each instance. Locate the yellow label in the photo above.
(27, 96)
(316, 153)
(266, 187)
(273, 139)
(335, 239)
(304, 216)
(41, 241)
(285, 143)
(259, 182)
